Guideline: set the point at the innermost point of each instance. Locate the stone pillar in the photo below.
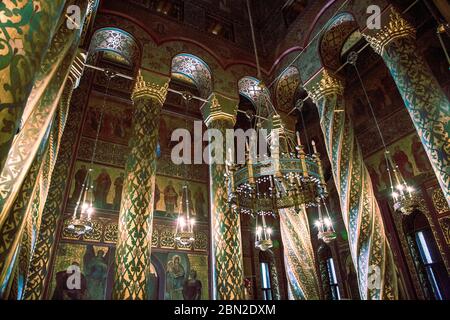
(24, 218)
(298, 255)
(228, 271)
(427, 104)
(371, 253)
(26, 29)
(136, 212)
(303, 283)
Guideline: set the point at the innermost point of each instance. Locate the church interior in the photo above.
(352, 204)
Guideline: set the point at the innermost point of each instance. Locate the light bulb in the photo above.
(84, 206)
(327, 222)
(181, 221)
(400, 187)
(395, 195)
(269, 231)
(410, 189)
(318, 224)
(90, 210)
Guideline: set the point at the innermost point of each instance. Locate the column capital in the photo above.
(219, 107)
(324, 84)
(156, 88)
(395, 27)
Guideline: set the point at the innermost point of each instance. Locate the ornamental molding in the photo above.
(398, 27)
(328, 85)
(144, 89)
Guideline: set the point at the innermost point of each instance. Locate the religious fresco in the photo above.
(116, 124)
(407, 153)
(186, 276)
(169, 193)
(108, 185)
(383, 96)
(96, 265)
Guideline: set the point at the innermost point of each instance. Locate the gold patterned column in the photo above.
(427, 104)
(298, 255)
(228, 273)
(136, 212)
(22, 222)
(303, 283)
(53, 209)
(371, 253)
(26, 29)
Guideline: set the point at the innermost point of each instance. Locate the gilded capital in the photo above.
(397, 27)
(155, 91)
(328, 85)
(219, 108)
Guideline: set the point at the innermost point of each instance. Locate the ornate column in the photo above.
(228, 268)
(298, 255)
(371, 253)
(136, 212)
(303, 283)
(323, 254)
(427, 104)
(23, 220)
(26, 28)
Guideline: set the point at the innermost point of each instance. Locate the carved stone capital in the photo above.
(155, 91)
(324, 85)
(219, 107)
(396, 27)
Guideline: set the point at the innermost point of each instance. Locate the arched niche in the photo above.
(191, 69)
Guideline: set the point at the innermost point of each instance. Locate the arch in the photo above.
(117, 42)
(250, 88)
(190, 68)
(286, 89)
(339, 29)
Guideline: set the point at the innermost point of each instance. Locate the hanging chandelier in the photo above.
(325, 225)
(287, 179)
(263, 239)
(404, 197)
(184, 232)
(81, 223)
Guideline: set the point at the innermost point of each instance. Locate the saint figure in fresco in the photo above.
(192, 288)
(118, 187)
(96, 271)
(175, 277)
(199, 203)
(404, 165)
(420, 156)
(101, 190)
(63, 280)
(157, 196)
(170, 198)
(80, 175)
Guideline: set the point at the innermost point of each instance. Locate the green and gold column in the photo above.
(299, 256)
(427, 104)
(136, 211)
(228, 271)
(303, 283)
(371, 253)
(26, 29)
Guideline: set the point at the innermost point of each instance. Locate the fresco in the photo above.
(169, 194)
(117, 121)
(108, 185)
(408, 154)
(96, 264)
(186, 276)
